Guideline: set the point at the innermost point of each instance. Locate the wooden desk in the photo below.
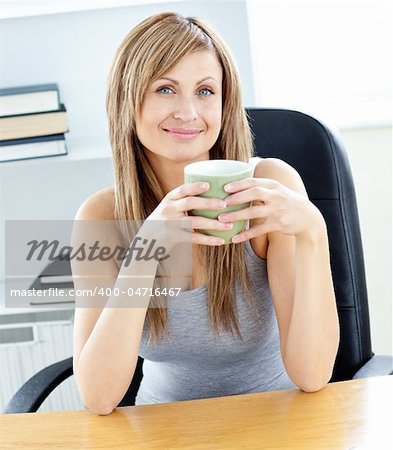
(348, 415)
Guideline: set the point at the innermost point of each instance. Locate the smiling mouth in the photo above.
(183, 135)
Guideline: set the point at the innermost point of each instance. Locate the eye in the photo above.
(206, 92)
(164, 90)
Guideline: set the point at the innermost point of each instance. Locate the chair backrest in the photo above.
(317, 153)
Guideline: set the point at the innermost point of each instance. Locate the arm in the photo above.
(107, 334)
(107, 337)
(298, 269)
(302, 290)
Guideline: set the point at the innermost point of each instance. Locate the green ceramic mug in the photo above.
(218, 173)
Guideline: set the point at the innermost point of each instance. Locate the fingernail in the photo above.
(228, 187)
(204, 185)
(222, 204)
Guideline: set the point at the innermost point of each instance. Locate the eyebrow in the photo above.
(177, 83)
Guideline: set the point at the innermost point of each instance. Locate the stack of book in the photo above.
(32, 122)
(56, 275)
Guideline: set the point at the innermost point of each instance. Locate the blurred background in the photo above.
(331, 59)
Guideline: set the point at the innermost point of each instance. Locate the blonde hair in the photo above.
(152, 48)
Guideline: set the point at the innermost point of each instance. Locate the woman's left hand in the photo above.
(279, 208)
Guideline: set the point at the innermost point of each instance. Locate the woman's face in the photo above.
(181, 112)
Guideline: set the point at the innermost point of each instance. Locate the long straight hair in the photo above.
(151, 49)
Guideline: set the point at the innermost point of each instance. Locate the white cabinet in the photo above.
(28, 343)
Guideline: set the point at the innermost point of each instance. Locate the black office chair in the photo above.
(318, 155)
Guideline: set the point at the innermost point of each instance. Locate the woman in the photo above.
(260, 314)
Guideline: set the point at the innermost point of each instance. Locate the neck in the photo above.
(169, 173)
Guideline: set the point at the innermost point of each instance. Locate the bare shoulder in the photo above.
(278, 170)
(98, 206)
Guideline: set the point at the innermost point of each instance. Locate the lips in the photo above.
(183, 134)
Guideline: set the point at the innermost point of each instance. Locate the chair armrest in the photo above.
(377, 366)
(35, 390)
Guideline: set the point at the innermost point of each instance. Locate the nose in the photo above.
(185, 110)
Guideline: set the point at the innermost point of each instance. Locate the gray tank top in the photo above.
(195, 364)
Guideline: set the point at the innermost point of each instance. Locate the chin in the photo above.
(187, 159)
(187, 155)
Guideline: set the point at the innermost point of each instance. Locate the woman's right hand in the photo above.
(176, 204)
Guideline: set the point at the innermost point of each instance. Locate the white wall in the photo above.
(76, 50)
(370, 155)
(332, 59)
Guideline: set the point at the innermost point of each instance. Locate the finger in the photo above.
(199, 222)
(257, 230)
(239, 185)
(203, 239)
(252, 212)
(188, 203)
(204, 223)
(259, 193)
(188, 189)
